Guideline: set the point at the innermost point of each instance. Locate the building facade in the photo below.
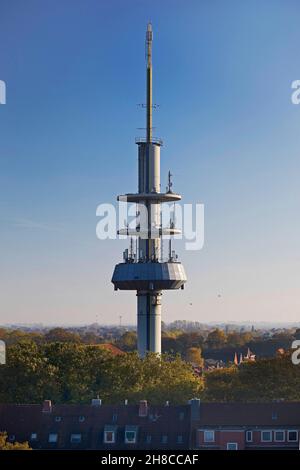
(197, 426)
(239, 426)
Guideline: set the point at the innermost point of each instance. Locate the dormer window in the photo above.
(115, 418)
(75, 438)
(130, 437)
(81, 419)
(130, 434)
(109, 437)
(110, 433)
(52, 439)
(58, 419)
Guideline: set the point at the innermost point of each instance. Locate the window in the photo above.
(274, 415)
(249, 436)
(110, 434)
(209, 436)
(181, 416)
(109, 437)
(130, 437)
(81, 419)
(266, 436)
(148, 439)
(11, 437)
(33, 436)
(292, 436)
(131, 434)
(57, 419)
(279, 436)
(164, 439)
(52, 438)
(115, 418)
(75, 438)
(232, 446)
(179, 439)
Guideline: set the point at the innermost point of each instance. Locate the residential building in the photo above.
(239, 426)
(197, 425)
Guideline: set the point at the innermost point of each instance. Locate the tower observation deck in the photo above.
(144, 269)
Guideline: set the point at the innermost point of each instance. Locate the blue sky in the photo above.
(74, 72)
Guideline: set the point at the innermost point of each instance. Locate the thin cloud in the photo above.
(35, 225)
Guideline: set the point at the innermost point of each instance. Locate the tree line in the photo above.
(213, 343)
(75, 373)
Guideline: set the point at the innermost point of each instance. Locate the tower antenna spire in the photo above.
(149, 39)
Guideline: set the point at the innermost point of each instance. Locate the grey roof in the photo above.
(249, 414)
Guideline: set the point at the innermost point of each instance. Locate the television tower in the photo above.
(144, 269)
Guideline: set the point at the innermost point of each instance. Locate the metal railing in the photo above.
(143, 140)
(131, 258)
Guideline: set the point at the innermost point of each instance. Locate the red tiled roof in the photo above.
(113, 349)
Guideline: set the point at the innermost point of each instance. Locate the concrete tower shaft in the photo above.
(149, 183)
(149, 322)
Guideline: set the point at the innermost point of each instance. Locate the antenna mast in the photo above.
(149, 38)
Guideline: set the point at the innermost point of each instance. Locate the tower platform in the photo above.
(149, 276)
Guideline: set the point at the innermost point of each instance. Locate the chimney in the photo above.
(143, 409)
(195, 409)
(96, 402)
(167, 403)
(126, 402)
(47, 406)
